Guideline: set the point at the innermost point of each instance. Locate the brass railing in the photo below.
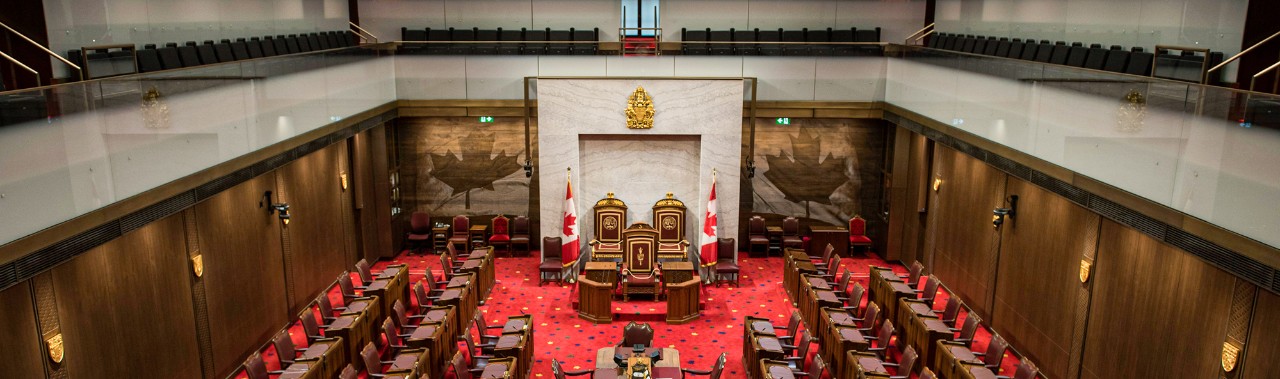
(46, 51)
(19, 64)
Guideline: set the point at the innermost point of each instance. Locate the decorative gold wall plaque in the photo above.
(197, 265)
(640, 110)
(1230, 353)
(55, 348)
(1084, 270)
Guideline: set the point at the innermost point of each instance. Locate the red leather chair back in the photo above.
(349, 372)
(872, 316)
(926, 373)
(362, 268)
(460, 366)
(1026, 370)
(908, 362)
(970, 328)
(401, 318)
(886, 334)
(520, 226)
(285, 351)
(855, 296)
(817, 367)
(344, 285)
(369, 355)
(461, 225)
(551, 247)
(420, 293)
(725, 248)
(309, 325)
(391, 332)
(756, 226)
(420, 223)
(637, 334)
(790, 226)
(500, 225)
(326, 305)
(995, 351)
(255, 367)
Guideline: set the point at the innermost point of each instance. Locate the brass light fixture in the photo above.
(1132, 113)
(279, 209)
(937, 183)
(56, 351)
(197, 265)
(1230, 355)
(155, 113)
(343, 178)
(1085, 268)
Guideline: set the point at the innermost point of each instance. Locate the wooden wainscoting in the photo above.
(316, 247)
(125, 307)
(243, 271)
(22, 355)
(1157, 312)
(1264, 342)
(1038, 277)
(966, 244)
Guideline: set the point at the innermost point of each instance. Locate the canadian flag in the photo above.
(569, 251)
(708, 253)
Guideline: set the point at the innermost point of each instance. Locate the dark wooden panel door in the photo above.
(125, 307)
(20, 347)
(965, 243)
(1038, 281)
(243, 270)
(1157, 312)
(317, 237)
(1264, 341)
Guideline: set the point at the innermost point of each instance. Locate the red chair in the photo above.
(461, 233)
(419, 234)
(858, 233)
(500, 234)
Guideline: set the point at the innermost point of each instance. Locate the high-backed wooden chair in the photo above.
(610, 219)
(461, 233)
(858, 233)
(520, 234)
(757, 235)
(791, 234)
(501, 233)
(640, 273)
(668, 217)
(726, 266)
(636, 334)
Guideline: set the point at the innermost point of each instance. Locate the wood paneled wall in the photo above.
(1264, 343)
(1156, 312)
(243, 270)
(125, 307)
(316, 248)
(1038, 282)
(21, 354)
(965, 243)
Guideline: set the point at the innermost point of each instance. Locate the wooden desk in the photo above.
(795, 263)
(500, 369)
(354, 329)
(846, 339)
(484, 275)
(908, 311)
(458, 299)
(677, 272)
(439, 345)
(327, 353)
(895, 292)
(478, 235)
(391, 285)
(864, 366)
(595, 300)
(775, 239)
(821, 235)
(302, 370)
(975, 371)
(879, 282)
(775, 369)
(409, 362)
(515, 345)
(602, 272)
(949, 357)
(928, 331)
(683, 299)
(369, 308)
(762, 347)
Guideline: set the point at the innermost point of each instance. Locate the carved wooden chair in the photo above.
(520, 235)
(858, 233)
(552, 266)
(757, 235)
(610, 220)
(726, 267)
(668, 215)
(461, 232)
(791, 234)
(640, 272)
(636, 334)
(501, 233)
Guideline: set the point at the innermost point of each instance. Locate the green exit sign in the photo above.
(783, 121)
(486, 118)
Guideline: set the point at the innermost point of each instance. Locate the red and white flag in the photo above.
(569, 251)
(708, 242)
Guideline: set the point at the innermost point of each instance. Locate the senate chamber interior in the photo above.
(658, 189)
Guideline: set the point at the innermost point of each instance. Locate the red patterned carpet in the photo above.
(573, 341)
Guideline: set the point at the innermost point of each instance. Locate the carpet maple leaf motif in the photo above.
(806, 176)
(478, 168)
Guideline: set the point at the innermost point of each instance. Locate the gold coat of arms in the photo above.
(1230, 354)
(639, 110)
(56, 353)
(1085, 267)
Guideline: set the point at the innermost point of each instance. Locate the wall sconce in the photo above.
(997, 218)
(279, 209)
(1085, 268)
(197, 265)
(343, 178)
(937, 183)
(1230, 355)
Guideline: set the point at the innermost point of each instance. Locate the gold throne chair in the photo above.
(668, 214)
(610, 219)
(640, 273)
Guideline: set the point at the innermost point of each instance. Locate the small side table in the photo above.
(479, 236)
(439, 239)
(775, 239)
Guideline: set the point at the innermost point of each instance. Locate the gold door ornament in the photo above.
(1230, 354)
(56, 352)
(640, 110)
(1085, 267)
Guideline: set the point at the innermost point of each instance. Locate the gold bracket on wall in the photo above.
(1230, 354)
(56, 352)
(1085, 268)
(197, 265)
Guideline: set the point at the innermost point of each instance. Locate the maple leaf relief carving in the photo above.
(806, 176)
(479, 167)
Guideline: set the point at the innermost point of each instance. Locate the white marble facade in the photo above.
(697, 128)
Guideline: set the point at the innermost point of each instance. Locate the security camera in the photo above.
(997, 217)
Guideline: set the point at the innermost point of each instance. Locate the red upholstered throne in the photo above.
(501, 235)
(668, 216)
(858, 233)
(610, 219)
(640, 273)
